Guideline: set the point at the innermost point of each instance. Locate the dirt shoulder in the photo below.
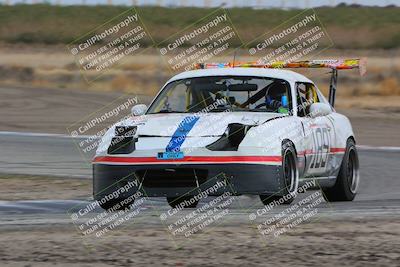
(27, 187)
(374, 127)
(359, 242)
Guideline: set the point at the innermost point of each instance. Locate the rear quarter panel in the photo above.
(343, 129)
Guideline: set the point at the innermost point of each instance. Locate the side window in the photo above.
(306, 95)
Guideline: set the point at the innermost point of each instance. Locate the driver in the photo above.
(276, 98)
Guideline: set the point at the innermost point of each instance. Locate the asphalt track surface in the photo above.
(379, 191)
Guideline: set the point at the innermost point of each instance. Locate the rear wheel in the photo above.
(345, 188)
(290, 177)
(182, 201)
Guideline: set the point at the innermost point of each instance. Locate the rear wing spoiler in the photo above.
(333, 64)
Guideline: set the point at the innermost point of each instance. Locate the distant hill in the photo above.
(348, 26)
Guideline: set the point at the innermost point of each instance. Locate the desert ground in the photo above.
(354, 242)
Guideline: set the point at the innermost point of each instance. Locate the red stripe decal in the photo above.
(332, 150)
(337, 149)
(188, 159)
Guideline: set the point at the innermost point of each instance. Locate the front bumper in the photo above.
(155, 180)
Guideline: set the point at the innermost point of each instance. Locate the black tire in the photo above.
(116, 204)
(176, 202)
(290, 177)
(345, 188)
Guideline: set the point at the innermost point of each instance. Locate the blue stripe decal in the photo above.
(180, 134)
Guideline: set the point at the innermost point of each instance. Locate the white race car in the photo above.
(256, 129)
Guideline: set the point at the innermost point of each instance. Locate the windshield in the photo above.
(219, 93)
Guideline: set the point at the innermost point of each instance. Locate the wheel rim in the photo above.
(352, 171)
(290, 172)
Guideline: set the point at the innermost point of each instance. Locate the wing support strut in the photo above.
(332, 87)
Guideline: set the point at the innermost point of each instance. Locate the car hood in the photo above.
(196, 125)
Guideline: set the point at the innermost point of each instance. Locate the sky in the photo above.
(215, 3)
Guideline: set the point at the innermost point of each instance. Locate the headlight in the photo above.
(124, 140)
(231, 139)
(125, 130)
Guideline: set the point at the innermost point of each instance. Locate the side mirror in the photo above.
(138, 110)
(320, 109)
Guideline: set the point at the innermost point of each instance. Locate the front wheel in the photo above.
(290, 177)
(345, 188)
